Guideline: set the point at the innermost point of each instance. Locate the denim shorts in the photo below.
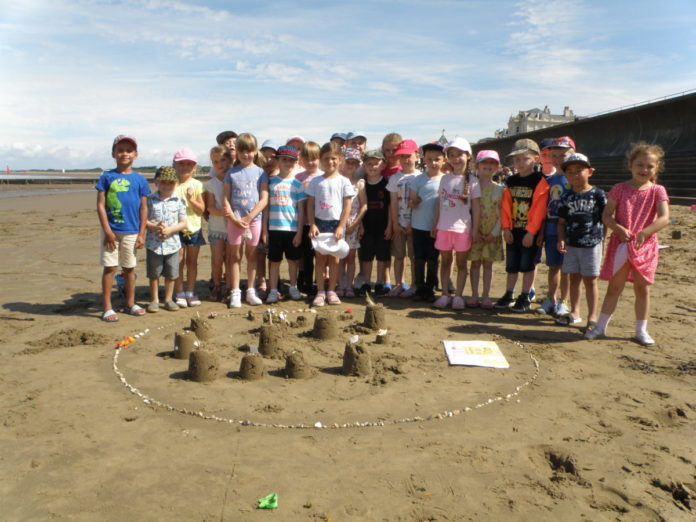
(192, 238)
(553, 256)
(326, 225)
(520, 258)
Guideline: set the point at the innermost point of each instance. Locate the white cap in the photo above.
(325, 243)
(459, 143)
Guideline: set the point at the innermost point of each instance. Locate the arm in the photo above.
(345, 212)
(140, 240)
(109, 236)
(390, 222)
(394, 216)
(610, 222)
(228, 212)
(662, 208)
(309, 205)
(506, 216)
(433, 231)
(210, 205)
(196, 202)
(297, 240)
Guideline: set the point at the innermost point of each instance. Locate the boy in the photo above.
(423, 199)
(522, 215)
(166, 217)
(229, 140)
(580, 237)
(556, 150)
(399, 186)
(309, 160)
(391, 163)
(122, 210)
(376, 223)
(356, 140)
(283, 222)
(268, 149)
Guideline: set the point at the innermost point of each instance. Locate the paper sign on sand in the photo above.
(475, 353)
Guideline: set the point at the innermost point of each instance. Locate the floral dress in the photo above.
(352, 238)
(491, 198)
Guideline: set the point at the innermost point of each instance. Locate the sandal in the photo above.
(193, 301)
(396, 291)
(135, 311)
(153, 307)
(216, 293)
(487, 304)
(458, 303)
(568, 320)
(320, 299)
(442, 302)
(109, 316)
(171, 306)
(473, 302)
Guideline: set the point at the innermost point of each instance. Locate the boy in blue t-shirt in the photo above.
(122, 210)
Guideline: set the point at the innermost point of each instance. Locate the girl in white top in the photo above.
(214, 196)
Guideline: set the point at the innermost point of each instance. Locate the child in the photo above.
(375, 241)
(390, 143)
(328, 207)
(228, 138)
(283, 222)
(122, 210)
(268, 149)
(424, 198)
(636, 210)
(522, 215)
(580, 237)
(246, 195)
(457, 216)
(215, 206)
(489, 247)
(309, 160)
(555, 150)
(190, 191)
(399, 186)
(358, 207)
(166, 217)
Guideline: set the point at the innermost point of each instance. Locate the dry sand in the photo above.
(605, 431)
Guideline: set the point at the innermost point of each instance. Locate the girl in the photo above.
(636, 210)
(457, 217)
(221, 161)
(489, 247)
(246, 195)
(190, 190)
(328, 206)
(346, 267)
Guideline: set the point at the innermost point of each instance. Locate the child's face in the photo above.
(339, 141)
(434, 161)
(285, 165)
(644, 168)
(546, 159)
(330, 162)
(358, 142)
(124, 153)
(578, 175)
(312, 165)
(408, 161)
(184, 169)
(246, 157)
(166, 188)
(349, 167)
(221, 163)
(388, 150)
(558, 156)
(271, 160)
(487, 167)
(373, 166)
(232, 145)
(524, 163)
(457, 158)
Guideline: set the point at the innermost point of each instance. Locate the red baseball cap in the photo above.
(406, 147)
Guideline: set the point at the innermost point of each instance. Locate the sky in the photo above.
(76, 73)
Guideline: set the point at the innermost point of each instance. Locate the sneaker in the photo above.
(644, 339)
(181, 300)
(396, 291)
(504, 302)
(548, 307)
(332, 298)
(593, 332)
(235, 299)
(379, 289)
(192, 300)
(561, 309)
(252, 298)
(295, 294)
(319, 299)
(523, 304)
(532, 295)
(442, 302)
(364, 289)
(273, 296)
(458, 303)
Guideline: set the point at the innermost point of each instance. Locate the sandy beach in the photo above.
(573, 430)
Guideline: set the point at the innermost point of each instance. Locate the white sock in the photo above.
(189, 294)
(181, 295)
(603, 321)
(641, 327)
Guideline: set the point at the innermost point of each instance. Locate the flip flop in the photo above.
(109, 316)
(487, 304)
(134, 310)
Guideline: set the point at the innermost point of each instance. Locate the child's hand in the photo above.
(189, 193)
(528, 240)
(313, 231)
(388, 233)
(139, 241)
(397, 231)
(407, 230)
(540, 240)
(297, 240)
(489, 238)
(264, 237)
(110, 241)
(641, 238)
(414, 202)
(338, 234)
(623, 233)
(561, 246)
(433, 233)
(507, 236)
(361, 233)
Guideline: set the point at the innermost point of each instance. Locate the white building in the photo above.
(534, 119)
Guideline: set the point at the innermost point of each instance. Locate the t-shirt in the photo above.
(217, 188)
(377, 216)
(400, 186)
(168, 211)
(583, 214)
(306, 178)
(524, 202)
(192, 218)
(245, 188)
(558, 187)
(423, 216)
(455, 215)
(123, 195)
(284, 196)
(328, 194)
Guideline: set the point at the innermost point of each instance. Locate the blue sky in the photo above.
(74, 74)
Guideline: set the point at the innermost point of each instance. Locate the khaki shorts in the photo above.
(124, 253)
(402, 246)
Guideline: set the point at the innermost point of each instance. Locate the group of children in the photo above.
(400, 201)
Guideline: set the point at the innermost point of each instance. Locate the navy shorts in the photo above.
(192, 238)
(553, 256)
(279, 244)
(520, 258)
(373, 245)
(326, 225)
(424, 245)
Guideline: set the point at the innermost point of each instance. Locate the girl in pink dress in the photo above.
(636, 210)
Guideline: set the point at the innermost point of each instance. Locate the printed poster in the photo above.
(475, 353)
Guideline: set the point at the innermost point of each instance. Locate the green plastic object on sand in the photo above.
(270, 501)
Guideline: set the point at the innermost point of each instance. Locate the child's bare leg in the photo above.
(641, 290)
(614, 290)
(350, 267)
(411, 262)
(565, 286)
(383, 271)
(320, 266)
(461, 273)
(182, 267)
(261, 268)
(366, 270)
(234, 259)
(154, 290)
(592, 294)
(528, 280)
(191, 267)
(511, 281)
(217, 259)
(332, 262)
(274, 274)
(474, 276)
(554, 282)
(575, 280)
(487, 278)
(107, 284)
(251, 265)
(398, 270)
(129, 276)
(168, 290)
(445, 270)
(293, 269)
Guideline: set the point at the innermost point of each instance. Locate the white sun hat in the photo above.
(325, 243)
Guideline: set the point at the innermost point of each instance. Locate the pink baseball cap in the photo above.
(406, 147)
(123, 137)
(487, 154)
(295, 138)
(185, 154)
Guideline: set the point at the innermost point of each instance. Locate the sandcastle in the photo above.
(357, 360)
(204, 366)
(374, 315)
(325, 327)
(185, 342)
